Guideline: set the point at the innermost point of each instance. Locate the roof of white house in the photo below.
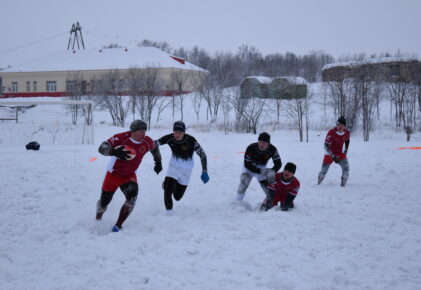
(111, 58)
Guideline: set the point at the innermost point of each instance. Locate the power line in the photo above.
(34, 42)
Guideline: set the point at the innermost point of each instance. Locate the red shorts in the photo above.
(328, 160)
(112, 181)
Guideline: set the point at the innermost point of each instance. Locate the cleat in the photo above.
(240, 196)
(116, 229)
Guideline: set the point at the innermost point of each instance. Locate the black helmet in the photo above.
(341, 120)
(264, 136)
(138, 125)
(179, 126)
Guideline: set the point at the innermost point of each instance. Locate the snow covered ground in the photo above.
(364, 236)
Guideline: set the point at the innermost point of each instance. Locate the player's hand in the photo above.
(158, 167)
(204, 177)
(335, 158)
(120, 153)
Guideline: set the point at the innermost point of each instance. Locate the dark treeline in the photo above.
(248, 61)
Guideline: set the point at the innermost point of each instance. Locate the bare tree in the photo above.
(344, 101)
(295, 110)
(151, 85)
(161, 104)
(249, 112)
(107, 88)
(196, 100)
(179, 80)
(133, 79)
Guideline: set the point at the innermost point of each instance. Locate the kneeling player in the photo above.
(283, 190)
(127, 149)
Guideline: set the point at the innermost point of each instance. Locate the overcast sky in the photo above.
(337, 27)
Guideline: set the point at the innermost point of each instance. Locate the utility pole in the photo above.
(76, 33)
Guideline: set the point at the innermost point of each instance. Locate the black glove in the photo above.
(120, 153)
(335, 159)
(158, 167)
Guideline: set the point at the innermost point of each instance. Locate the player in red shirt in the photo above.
(127, 150)
(334, 147)
(283, 190)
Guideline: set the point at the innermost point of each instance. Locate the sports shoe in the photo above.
(319, 180)
(240, 196)
(116, 229)
(169, 212)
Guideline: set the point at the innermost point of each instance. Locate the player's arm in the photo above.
(201, 153)
(277, 162)
(327, 149)
(346, 146)
(163, 140)
(290, 197)
(156, 157)
(107, 150)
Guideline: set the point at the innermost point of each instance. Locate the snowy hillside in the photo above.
(364, 236)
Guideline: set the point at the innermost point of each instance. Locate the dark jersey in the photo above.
(254, 158)
(184, 148)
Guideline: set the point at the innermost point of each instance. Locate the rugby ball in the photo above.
(131, 152)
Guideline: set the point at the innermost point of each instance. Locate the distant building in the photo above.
(282, 87)
(389, 69)
(58, 73)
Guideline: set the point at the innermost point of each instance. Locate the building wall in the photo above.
(191, 80)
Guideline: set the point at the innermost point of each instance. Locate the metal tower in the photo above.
(76, 33)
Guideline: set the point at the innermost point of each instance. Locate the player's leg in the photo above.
(245, 179)
(170, 186)
(182, 181)
(130, 190)
(101, 206)
(327, 161)
(179, 191)
(345, 171)
(109, 187)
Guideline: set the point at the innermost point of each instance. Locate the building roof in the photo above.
(104, 59)
(380, 60)
(290, 79)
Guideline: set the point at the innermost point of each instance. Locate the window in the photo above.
(14, 87)
(51, 86)
(28, 86)
(34, 86)
(70, 86)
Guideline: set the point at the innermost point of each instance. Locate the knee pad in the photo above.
(130, 190)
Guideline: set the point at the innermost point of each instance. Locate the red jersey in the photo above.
(128, 167)
(283, 188)
(336, 140)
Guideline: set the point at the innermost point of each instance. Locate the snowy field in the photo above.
(364, 236)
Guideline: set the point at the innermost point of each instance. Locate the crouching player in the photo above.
(126, 150)
(283, 190)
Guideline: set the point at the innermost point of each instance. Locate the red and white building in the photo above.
(55, 74)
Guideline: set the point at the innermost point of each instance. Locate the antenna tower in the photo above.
(76, 34)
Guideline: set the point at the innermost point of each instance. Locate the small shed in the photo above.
(281, 87)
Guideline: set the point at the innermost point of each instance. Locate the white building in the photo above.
(55, 74)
